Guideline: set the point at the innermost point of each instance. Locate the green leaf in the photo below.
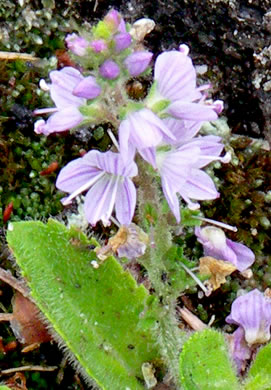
(259, 375)
(205, 364)
(4, 388)
(96, 312)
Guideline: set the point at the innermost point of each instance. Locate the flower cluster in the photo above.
(163, 128)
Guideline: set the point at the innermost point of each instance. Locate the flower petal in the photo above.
(100, 199)
(175, 75)
(75, 174)
(63, 120)
(245, 256)
(252, 311)
(63, 83)
(172, 199)
(125, 202)
(192, 111)
(199, 186)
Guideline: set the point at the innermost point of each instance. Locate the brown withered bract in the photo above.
(216, 269)
(26, 323)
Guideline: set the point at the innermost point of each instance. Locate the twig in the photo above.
(12, 56)
(6, 277)
(27, 368)
(193, 321)
(6, 317)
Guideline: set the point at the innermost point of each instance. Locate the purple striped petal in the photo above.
(63, 83)
(192, 111)
(126, 202)
(63, 120)
(252, 312)
(183, 130)
(245, 256)
(199, 186)
(75, 174)
(172, 199)
(143, 129)
(100, 200)
(175, 75)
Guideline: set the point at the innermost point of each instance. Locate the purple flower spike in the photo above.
(216, 244)
(76, 44)
(109, 70)
(137, 62)
(88, 88)
(98, 45)
(122, 41)
(176, 81)
(252, 312)
(108, 183)
(66, 113)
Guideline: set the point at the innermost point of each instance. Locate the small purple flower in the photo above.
(98, 45)
(76, 44)
(252, 312)
(108, 183)
(180, 173)
(140, 130)
(216, 244)
(137, 62)
(176, 81)
(88, 88)
(109, 70)
(122, 41)
(66, 113)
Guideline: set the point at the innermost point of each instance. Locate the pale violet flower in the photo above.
(252, 314)
(140, 130)
(108, 183)
(180, 173)
(176, 81)
(216, 244)
(66, 115)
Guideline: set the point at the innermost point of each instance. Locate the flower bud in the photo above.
(137, 62)
(77, 44)
(122, 41)
(109, 70)
(98, 45)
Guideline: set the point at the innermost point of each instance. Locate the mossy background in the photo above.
(39, 28)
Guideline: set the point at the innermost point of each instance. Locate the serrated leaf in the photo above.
(205, 364)
(259, 375)
(97, 312)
